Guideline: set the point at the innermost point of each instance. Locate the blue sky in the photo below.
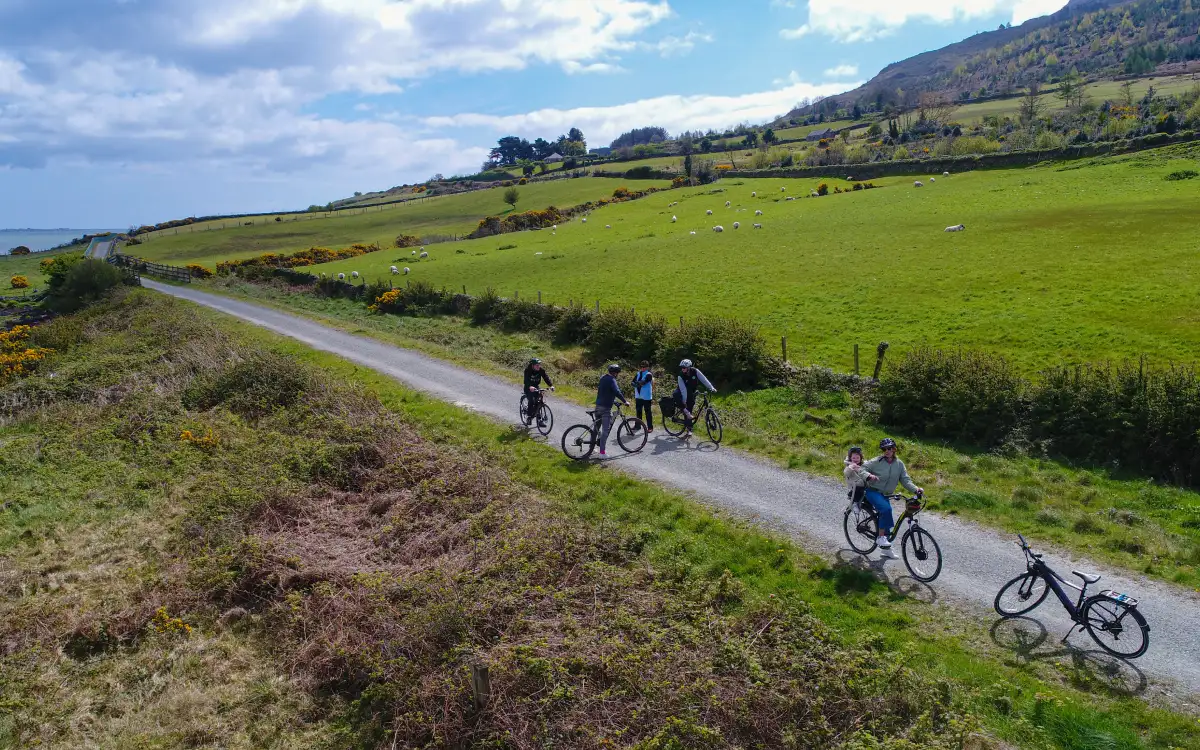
(119, 112)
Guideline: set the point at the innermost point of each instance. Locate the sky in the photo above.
(125, 112)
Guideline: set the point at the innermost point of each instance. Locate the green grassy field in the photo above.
(801, 131)
(28, 266)
(452, 214)
(1074, 263)
(1099, 91)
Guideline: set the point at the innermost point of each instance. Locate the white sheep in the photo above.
(918, 183)
(423, 255)
(584, 220)
(945, 174)
(728, 204)
(758, 226)
(406, 270)
(554, 227)
(783, 190)
(354, 275)
(790, 198)
(736, 225)
(814, 194)
(422, 248)
(753, 194)
(718, 228)
(955, 228)
(414, 252)
(341, 277)
(537, 253)
(674, 219)
(708, 212)
(933, 179)
(608, 226)
(693, 233)
(758, 213)
(394, 270)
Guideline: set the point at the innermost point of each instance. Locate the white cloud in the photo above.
(842, 71)
(864, 20)
(674, 46)
(574, 68)
(675, 113)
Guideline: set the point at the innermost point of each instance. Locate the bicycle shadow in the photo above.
(1026, 638)
(902, 585)
(668, 444)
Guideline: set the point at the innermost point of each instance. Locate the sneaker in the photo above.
(649, 431)
(883, 542)
(602, 454)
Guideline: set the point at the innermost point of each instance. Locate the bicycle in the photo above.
(545, 417)
(922, 555)
(675, 426)
(580, 440)
(1108, 613)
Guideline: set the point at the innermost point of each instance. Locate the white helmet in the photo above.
(686, 363)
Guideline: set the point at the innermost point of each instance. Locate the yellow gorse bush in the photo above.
(165, 624)
(19, 282)
(387, 298)
(204, 443)
(17, 358)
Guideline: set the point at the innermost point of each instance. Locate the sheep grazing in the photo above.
(584, 220)
(789, 198)
(718, 228)
(414, 252)
(955, 228)
(728, 204)
(394, 270)
(554, 227)
(674, 219)
(945, 174)
(918, 183)
(537, 253)
(933, 179)
(693, 233)
(608, 226)
(422, 248)
(758, 213)
(406, 270)
(424, 255)
(758, 226)
(783, 190)
(354, 275)
(814, 194)
(736, 225)
(753, 194)
(341, 277)
(708, 212)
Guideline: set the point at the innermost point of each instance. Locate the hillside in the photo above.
(1094, 38)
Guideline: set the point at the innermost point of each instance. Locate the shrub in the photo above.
(962, 395)
(487, 308)
(678, 181)
(198, 271)
(621, 334)
(526, 315)
(420, 297)
(732, 353)
(1183, 174)
(621, 193)
(252, 388)
(900, 153)
(19, 282)
(19, 250)
(84, 282)
(407, 240)
(823, 189)
(574, 326)
(17, 357)
(523, 181)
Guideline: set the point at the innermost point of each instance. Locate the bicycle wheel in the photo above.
(862, 529)
(1020, 595)
(712, 423)
(523, 410)
(673, 424)
(545, 421)
(922, 555)
(578, 442)
(1119, 628)
(631, 435)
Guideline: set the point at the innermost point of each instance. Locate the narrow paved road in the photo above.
(978, 561)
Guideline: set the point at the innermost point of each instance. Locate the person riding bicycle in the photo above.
(534, 375)
(889, 471)
(688, 385)
(608, 392)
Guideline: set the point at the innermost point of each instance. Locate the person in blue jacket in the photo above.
(608, 392)
(643, 394)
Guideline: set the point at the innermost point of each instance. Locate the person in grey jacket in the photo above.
(889, 471)
(687, 386)
(606, 394)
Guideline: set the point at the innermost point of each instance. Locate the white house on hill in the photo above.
(553, 158)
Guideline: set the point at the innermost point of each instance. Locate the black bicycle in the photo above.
(922, 555)
(675, 426)
(580, 440)
(1112, 619)
(545, 417)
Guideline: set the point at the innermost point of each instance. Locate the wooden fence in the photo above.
(140, 266)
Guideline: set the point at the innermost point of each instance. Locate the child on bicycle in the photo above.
(856, 476)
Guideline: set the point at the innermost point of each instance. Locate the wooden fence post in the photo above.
(879, 352)
(539, 296)
(856, 359)
(783, 343)
(597, 307)
(516, 294)
(464, 290)
(481, 685)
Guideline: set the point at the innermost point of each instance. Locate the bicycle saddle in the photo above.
(1087, 577)
(591, 413)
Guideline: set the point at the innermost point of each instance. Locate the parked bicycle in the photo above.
(675, 426)
(922, 555)
(580, 440)
(545, 417)
(1111, 618)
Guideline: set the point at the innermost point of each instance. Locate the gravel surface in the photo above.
(977, 561)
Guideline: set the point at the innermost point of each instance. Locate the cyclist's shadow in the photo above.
(1027, 638)
(902, 585)
(668, 444)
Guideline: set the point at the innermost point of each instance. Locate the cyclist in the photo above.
(688, 384)
(534, 375)
(889, 471)
(608, 392)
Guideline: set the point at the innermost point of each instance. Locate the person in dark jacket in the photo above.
(534, 375)
(608, 392)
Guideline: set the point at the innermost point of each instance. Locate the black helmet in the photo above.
(535, 361)
(853, 449)
(886, 443)
(614, 367)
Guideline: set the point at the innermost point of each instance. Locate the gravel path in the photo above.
(978, 561)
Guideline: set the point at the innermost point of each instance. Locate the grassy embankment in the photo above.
(452, 214)
(380, 542)
(28, 266)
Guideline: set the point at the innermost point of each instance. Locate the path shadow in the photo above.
(1029, 641)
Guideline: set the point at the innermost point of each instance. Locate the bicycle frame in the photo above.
(1056, 583)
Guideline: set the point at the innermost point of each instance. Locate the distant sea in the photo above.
(41, 239)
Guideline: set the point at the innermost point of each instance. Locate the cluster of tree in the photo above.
(511, 149)
(640, 136)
